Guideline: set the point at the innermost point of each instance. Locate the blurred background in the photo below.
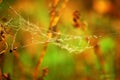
(26, 23)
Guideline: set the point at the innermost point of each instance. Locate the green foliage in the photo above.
(107, 44)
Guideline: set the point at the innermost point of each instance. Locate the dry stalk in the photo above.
(3, 36)
(16, 55)
(55, 16)
(101, 59)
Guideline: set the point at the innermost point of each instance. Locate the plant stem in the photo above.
(55, 16)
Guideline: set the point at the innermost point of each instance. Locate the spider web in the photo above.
(71, 43)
